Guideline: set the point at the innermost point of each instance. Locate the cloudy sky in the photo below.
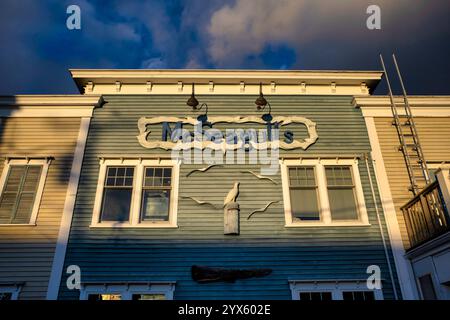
(37, 48)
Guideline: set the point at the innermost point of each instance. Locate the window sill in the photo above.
(132, 226)
(18, 224)
(324, 225)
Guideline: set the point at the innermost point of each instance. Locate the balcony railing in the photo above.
(426, 216)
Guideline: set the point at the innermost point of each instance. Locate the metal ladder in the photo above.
(408, 136)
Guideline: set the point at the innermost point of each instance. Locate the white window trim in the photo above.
(45, 162)
(127, 290)
(139, 165)
(13, 289)
(324, 206)
(335, 287)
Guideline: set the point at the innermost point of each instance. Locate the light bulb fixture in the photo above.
(193, 103)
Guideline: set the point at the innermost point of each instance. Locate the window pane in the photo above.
(167, 172)
(342, 204)
(158, 172)
(149, 297)
(427, 287)
(155, 205)
(112, 172)
(338, 176)
(358, 295)
(121, 172)
(119, 176)
(157, 177)
(98, 297)
(315, 296)
(302, 176)
(149, 172)
(157, 181)
(116, 204)
(304, 204)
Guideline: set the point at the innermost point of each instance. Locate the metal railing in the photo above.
(426, 216)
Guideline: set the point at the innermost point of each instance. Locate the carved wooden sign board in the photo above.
(220, 141)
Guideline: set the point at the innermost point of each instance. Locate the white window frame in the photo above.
(127, 290)
(135, 208)
(324, 205)
(13, 289)
(45, 163)
(336, 288)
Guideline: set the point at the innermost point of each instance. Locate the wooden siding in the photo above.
(434, 134)
(143, 254)
(26, 252)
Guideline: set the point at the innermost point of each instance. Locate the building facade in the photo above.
(178, 184)
(41, 145)
(145, 227)
(420, 233)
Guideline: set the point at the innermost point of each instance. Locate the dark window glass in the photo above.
(427, 287)
(117, 194)
(315, 296)
(303, 193)
(341, 193)
(19, 193)
(358, 295)
(156, 194)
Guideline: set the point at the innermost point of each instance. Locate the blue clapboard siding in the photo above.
(143, 254)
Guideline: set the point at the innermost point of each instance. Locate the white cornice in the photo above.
(49, 105)
(137, 81)
(421, 106)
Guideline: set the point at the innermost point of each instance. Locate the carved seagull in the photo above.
(259, 176)
(202, 169)
(232, 194)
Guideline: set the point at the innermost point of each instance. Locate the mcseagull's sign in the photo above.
(178, 138)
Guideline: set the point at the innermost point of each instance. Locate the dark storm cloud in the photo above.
(37, 49)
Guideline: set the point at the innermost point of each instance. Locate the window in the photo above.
(136, 193)
(317, 290)
(427, 287)
(127, 291)
(323, 192)
(100, 297)
(303, 193)
(315, 296)
(358, 295)
(149, 297)
(117, 194)
(341, 193)
(156, 194)
(21, 186)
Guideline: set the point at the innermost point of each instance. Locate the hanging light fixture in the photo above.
(193, 103)
(261, 103)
